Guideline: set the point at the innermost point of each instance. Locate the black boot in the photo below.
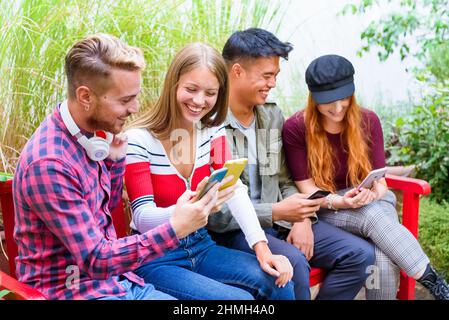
(435, 283)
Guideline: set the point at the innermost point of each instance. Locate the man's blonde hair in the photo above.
(89, 62)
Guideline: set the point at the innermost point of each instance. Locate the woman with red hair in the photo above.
(332, 145)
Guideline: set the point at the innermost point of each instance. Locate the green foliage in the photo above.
(438, 61)
(292, 96)
(36, 34)
(5, 176)
(389, 115)
(4, 293)
(433, 235)
(423, 24)
(422, 138)
(419, 29)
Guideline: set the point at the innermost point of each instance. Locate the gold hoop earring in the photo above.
(86, 107)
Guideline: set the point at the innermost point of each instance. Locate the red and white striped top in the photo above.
(154, 184)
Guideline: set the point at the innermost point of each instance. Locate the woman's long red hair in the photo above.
(319, 152)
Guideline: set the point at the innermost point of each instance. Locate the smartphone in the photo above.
(371, 177)
(235, 168)
(214, 178)
(318, 194)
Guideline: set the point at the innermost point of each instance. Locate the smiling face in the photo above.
(110, 109)
(334, 112)
(257, 78)
(196, 94)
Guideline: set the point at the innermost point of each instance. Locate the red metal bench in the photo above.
(412, 190)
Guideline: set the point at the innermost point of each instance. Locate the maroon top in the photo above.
(295, 146)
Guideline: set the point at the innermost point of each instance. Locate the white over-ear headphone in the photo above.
(97, 147)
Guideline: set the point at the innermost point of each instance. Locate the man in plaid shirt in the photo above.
(63, 195)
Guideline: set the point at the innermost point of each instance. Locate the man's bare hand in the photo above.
(295, 208)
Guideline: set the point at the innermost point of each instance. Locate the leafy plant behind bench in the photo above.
(422, 138)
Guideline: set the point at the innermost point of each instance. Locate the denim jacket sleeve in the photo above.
(286, 185)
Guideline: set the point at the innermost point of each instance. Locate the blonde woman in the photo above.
(172, 150)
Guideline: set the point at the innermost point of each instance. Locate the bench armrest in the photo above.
(412, 190)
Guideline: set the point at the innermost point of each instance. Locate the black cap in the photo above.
(330, 78)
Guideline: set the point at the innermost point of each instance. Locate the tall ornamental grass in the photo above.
(35, 36)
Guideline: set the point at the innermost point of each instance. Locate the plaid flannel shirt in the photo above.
(68, 247)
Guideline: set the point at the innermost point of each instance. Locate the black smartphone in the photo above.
(318, 194)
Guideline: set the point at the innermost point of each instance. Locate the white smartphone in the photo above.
(374, 175)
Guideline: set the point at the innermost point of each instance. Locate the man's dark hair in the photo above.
(254, 43)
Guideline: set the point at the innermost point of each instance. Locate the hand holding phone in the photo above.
(374, 175)
(318, 194)
(235, 167)
(216, 177)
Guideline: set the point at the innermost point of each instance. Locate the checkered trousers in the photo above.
(396, 248)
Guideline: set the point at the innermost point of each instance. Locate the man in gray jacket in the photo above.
(254, 131)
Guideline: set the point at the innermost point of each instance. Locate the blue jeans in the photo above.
(136, 292)
(345, 256)
(199, 269)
